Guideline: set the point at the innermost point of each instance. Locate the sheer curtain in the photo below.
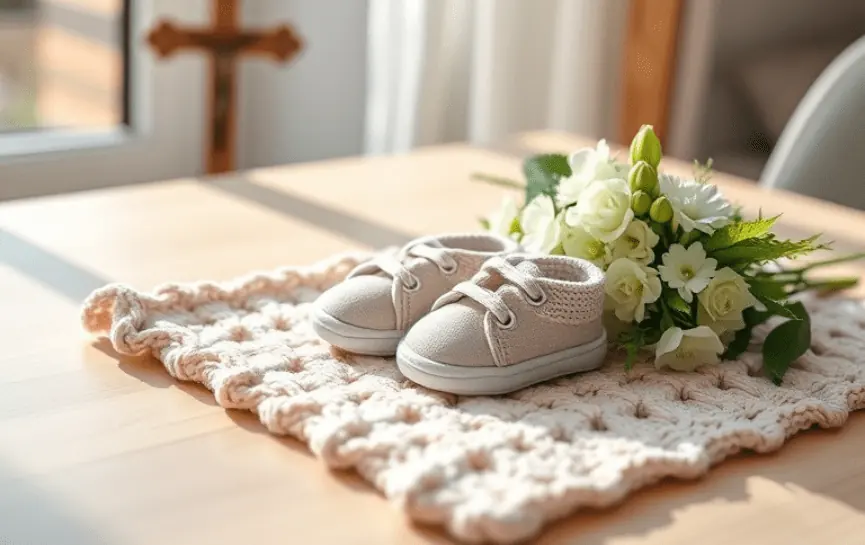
(476, 70)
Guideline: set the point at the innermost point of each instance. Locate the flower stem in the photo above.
(834, 261)
(828, 286)
(496, 180)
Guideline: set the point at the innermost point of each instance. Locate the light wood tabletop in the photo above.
(96, 449)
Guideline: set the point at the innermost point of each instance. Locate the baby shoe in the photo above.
(521, 320)
(370, 311)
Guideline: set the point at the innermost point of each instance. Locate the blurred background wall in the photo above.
(386, 76)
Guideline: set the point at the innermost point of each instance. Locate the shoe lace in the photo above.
(394, 265)
(475, 289)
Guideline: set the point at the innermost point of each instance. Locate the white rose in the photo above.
(577, 242)
(723, 300)
(604, 209)
(588, 165)
(636, 243)
(542, 230)
(630, 287)
(686, 350)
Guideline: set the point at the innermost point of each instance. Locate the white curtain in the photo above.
(477, 70)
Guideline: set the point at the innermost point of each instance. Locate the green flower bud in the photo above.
(641, 202)
(643, 177)
(646, 147)
(661, 210)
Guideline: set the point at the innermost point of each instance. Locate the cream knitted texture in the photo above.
(490, 469)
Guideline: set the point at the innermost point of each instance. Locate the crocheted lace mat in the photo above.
(489, 469)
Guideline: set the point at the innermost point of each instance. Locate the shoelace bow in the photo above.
(474, 289)
(395, 265)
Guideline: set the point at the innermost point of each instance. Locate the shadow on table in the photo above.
(150, 371)
(29, 514)
(47, 268)
(356, 228)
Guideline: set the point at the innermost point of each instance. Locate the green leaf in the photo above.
(543, 173)
(738, 232)
(754, 317)
(799, 310)
(485, 223)
(739, 344)
(631, 340)
(742, 338)
(666, 318)
(786, 343)
(767, 248)
(675, 302)
(769, 287)
(776, 308)
(632, 350)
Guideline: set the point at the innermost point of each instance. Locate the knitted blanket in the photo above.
(489, 469)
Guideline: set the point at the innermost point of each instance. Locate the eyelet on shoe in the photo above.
(512, 321)
(450, 270)
(537, 302)
(414, 287)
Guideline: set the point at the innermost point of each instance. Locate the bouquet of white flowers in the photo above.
(687, 276)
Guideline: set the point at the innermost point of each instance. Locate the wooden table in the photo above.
(96, 452)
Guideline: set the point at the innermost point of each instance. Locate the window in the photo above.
(84, 102)
(62, 64)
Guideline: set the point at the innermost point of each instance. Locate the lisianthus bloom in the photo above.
(630, 287)
(636, 243)
(688, 271)
(604, 209)
(723, 300)
(588, 165)
(686, 350)
(695, 205)
(542, 230)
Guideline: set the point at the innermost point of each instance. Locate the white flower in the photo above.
(687, 350)
(695, 205)
(588, 165)
(636, 243)
(577, 242)
(630, 287)
(502, 219)
(688, 271)
(542, 230)
(723, 300)
(604, 209)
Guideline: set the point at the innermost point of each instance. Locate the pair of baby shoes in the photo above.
(470, 314)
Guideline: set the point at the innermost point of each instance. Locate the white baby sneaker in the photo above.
(519, 321)
(370, 311)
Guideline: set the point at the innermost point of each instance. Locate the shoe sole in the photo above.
(459, 380)
(358, 340)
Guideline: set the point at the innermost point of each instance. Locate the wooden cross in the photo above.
(224, 42)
